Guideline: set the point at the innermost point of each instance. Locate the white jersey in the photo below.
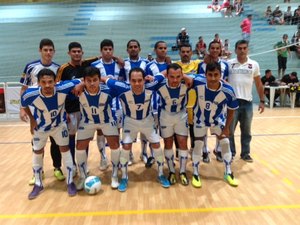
(241, 77)
(49, 112)
(29, 77)
(130, 64)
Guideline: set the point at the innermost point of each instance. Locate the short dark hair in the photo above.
(173, 66)
(133, 40)
(46, 42)
(106, 42)
(157, 43)
(74, 44)
(294, 74)
(90, 71)
(185, 45)
(214, 42)
(45, 72)
(267, 71)
(239, 42)
(138, 70)
(213, 66)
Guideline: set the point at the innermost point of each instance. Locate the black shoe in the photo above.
(149, 162)
(247, 158)
(218, 155)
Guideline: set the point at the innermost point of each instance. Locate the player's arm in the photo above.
(118, 87)
(154, 81)
(190, 105)
(23, 115)
(260, 92)
(229, 119)
(120, 61)
(33, 123)
(188, 80)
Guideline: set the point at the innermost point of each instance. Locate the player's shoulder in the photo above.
(31, 92)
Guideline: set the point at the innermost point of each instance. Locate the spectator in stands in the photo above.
(282, 54)
(225, 5)
(268, 14)
(287, 15)
(296, 42)
(293, 81)
(200, 48)
(149, 57)
(226, 53)
(182, 38)
(296, 16)
(246, 26)
(286, 1)
(215, 6)
(277, 16)
(239, 7)
(218, 39)
(269, 79)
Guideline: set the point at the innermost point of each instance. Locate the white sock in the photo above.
(159, 157)
(37, 166)
(101, 146)
(68, 163)
(144, 144)
(226, 154)
(124, 158)
(197, 153)
(81, 159)
(115, 160)
(205, 148)
(169, 156)
(183, 157)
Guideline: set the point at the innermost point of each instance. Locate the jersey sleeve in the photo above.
(117, 87)
(154, 85)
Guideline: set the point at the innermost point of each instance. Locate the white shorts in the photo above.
(145, 126)
(87, 131)
(171, 123)
(73, 123)
(201, 130)
(60, 134)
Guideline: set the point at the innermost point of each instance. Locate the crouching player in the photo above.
(95, 106)
(212, 97)
(49, 120)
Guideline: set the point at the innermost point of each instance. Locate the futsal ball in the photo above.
(92, 185)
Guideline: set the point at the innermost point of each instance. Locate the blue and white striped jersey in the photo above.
(210, 104)
(172, 99)
(154, 67)
(135, 106)
(96, 109)
(224, 69)
(49, 112)
(29, 76)
(130, 64)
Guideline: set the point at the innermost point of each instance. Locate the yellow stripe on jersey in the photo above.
(190, 105)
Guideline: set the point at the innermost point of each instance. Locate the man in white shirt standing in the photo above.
(242, 72)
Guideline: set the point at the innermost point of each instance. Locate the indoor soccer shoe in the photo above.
(72, 189)
(114, 182)
(231, 180)
(196, 182)
(35, 192)
(123, 185)
(184, 180)
(103, 164)
(163, 181)
(150, 162)
(59, 174)
(205, 157)
(218, 156)
(172, 178)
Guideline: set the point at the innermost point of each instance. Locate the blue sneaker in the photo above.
(163, 181)
(35, 192)
(72, 191)
(123, 185)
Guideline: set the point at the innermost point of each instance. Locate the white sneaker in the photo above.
(103, 164)
(80, 184)
(114, 182)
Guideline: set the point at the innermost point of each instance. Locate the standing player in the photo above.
(212, 96)
(69, 71)
(29, 78)
(215, 50)
(95, 105)
(135, 61)
(49, 120)
(136, 102)
(111, 66)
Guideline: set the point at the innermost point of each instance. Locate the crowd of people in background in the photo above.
(277, 17)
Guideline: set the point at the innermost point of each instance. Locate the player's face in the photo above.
(185, 54)
(76, 54)
(92, 84)
(47, 84)
(137, 82)
(47, 53)
(161, 50)
(213, 79)
(107, 53)
(133, 49)
(174, 77)
(242, 51)
(215, 50)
